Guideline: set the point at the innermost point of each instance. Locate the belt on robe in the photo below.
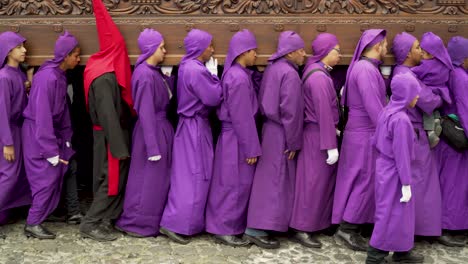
(226, 126)
(113, 169)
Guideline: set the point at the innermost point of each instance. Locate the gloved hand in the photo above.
(167, 70)
(338, 132)
(405, 193)
(385, 71)
(212, 66)
(332, 156)
(53, 160)
(154, 158)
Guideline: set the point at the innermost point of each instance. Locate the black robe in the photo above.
(108, 111)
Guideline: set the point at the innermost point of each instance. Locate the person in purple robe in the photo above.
(282, 105)
(394, 141)
(148, 178)
(434, 72)
(316, 168)
(238, 144)
(364, 94)
(14, 186)
(46, 134)
(426, 186)
(453, 165)
(198, 90)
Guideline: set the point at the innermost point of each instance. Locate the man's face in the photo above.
(415, 54)
(297, 56)
(73, 59)
(160, 53)
(207, 53)
(383, 48)
(18, 54)
(334, 56)
(250, 57)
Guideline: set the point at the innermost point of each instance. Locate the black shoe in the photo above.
(352, 240)
(450, 241)
(263, 241)
(128, 233)
(38, 231)
(231, 241)
(107, 226)
(376, 256)
(97, 233)
(75, 219)
(306, 240)
(174, 236)
(407, 257)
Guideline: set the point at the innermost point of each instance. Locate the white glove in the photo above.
(338, 132)
(53, 160)
(385, 71)
(166, 70)
(332, 156)
(68, 144)
(405, 193)
(154, 158)
(212, 66)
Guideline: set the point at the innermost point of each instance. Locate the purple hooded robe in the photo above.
(425, 182)
(364, 94)
(226, 211)
(148, 181)
(394, 141)
(46, 130)
(281, 103)
(14, 186)
(453, 165)
(315, 179)
(192, 163)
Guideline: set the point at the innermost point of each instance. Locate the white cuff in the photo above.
(154, 158)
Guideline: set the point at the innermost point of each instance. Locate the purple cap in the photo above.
(241, 42)
(288, 41)
(458, 49)
(196, 42)
(63, 46)
(148, 42)
(321, 46)
(402, 44)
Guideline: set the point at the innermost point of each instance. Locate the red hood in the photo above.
(112, 55)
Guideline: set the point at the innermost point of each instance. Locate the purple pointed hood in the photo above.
(368, 39)
(433, 44)
(241, 42)
(8, 41)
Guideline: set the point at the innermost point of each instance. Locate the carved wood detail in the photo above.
(235, 7)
